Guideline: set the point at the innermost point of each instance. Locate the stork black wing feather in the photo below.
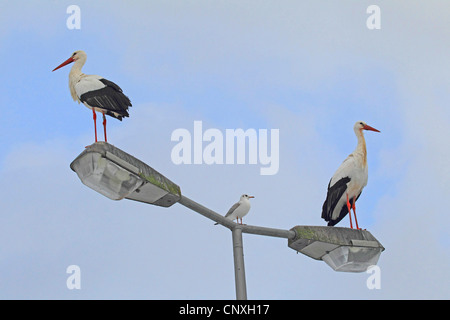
(110, 98)
(334, 193)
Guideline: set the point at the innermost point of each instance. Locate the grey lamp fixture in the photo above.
(343, 249)
(118, 175)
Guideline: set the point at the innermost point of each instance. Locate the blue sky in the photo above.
(308, 69)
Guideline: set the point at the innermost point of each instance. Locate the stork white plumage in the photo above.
(95, 92)
(239, 209)
(347, 183)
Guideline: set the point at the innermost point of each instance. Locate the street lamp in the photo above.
(118, 175)
(343, 249)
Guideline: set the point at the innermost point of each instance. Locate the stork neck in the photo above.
(361, 146)
(75, 75)
(76, 68)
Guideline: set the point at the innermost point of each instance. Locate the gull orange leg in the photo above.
(349, 212)
(95, 123)
(353, 206)
(104, 125)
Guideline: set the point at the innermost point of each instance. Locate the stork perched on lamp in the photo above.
(347, 183)
(95, 92)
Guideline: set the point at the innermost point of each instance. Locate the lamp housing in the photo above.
(118, 175)
(343, 249)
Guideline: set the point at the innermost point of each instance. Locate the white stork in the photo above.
(347, 183)
(239, 209)
(95, 92)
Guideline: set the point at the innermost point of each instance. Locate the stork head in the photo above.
(361, 125)
(246, 196)
(79, 55)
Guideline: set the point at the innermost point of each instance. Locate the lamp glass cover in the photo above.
(105, 176)
(352, 258)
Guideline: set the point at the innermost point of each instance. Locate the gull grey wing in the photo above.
(234, 207)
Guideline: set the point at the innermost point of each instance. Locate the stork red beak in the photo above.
(70, 60)
(366, 127)
(250, 197)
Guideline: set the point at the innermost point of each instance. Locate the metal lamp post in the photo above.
(118, 175)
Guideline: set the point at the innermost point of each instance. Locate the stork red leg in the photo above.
(349, 212)
(353, 206)
(104, 125)
(95, 123)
